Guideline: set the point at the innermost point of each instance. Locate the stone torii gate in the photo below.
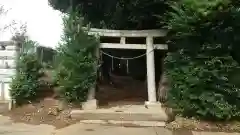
(149, 35)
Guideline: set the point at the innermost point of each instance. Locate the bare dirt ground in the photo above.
(48, 112)
(45, 112)
(197, 125)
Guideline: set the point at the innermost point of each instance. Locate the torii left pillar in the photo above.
(92, 103)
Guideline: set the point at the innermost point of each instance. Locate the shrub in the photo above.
(76, 61)
(25, 85)
(201, 66)
(201, 86)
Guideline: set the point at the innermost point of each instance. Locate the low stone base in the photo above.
(126, 123)
(90, 105)
(123, 113)
(5, 106)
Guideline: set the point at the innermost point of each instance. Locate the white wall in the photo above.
(43, 23)
(8, 54)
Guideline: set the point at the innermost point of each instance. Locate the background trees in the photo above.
(203, 39)
(117, 14)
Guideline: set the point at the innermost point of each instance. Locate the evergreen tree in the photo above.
(26, 84)
(77, 60)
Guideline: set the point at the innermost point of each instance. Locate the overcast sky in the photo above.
(43, 23)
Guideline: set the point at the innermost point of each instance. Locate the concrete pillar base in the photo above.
(153, 105)
(90, 104)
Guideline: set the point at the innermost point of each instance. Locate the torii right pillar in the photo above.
(151, 84)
